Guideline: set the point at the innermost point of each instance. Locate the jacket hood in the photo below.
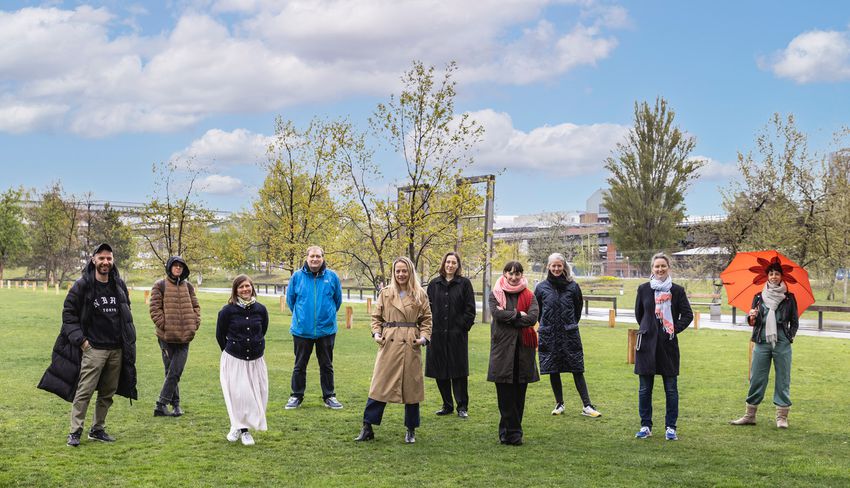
(183, 276)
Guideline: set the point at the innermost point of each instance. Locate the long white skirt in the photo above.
(245, 385)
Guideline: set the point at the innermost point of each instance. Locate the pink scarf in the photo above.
(503, 286)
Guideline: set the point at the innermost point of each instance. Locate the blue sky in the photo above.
(93, 93)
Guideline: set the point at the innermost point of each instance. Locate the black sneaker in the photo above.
(294, 402)
(74, 439)
(444, 411)
(100, 435)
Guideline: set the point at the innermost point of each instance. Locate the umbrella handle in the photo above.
(752, 320)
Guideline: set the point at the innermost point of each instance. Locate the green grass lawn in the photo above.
(313, 445)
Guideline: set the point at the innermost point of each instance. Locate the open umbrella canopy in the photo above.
(747, 273)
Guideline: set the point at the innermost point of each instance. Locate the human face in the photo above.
(774, 277)
(556, 268)
(660, 269)
(315, 260)
(402, 274)
(245, 290)
(102, 263)
(450, 266)
(514, 277)
(176, 270)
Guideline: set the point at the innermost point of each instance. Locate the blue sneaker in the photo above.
(643, 433)
(670, 435)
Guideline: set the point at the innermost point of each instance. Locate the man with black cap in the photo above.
(96, 348)
(175, 312)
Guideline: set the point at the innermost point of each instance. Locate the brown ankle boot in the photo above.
(782, 417)
(749, 418)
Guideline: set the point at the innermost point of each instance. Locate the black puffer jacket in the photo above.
(63, 374)
(560, 346)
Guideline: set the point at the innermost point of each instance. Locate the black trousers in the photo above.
(511, 398)
(581, 387)
(174, 358)
(374, 413)
(460, 386)
(325, 355)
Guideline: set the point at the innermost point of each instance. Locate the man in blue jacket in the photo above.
(314, 296)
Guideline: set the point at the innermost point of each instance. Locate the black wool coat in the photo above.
(452, 315)
(560, 346)
(658, 354)
(63, 374)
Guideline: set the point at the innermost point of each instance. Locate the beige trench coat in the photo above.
(397, 377)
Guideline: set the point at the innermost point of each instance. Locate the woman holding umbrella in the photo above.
(663, 312)
(774, 320)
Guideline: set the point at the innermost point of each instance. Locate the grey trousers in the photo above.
(174, 358)
(99, 370)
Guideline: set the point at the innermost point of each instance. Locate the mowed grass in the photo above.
(313, 445)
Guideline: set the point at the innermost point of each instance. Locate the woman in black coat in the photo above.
(560, 301)
(662, 310)
(453, 314)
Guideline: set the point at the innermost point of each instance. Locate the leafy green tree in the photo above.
(435, 146)
(294, 207)
(174, 221)
(13, 231)
(778, 201)
(106, 226)
(234, 247)
(650, 174)
(54, 236)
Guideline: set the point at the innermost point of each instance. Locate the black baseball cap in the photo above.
(102, 247)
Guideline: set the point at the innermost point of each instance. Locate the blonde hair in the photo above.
(413, 284)
(556, 256)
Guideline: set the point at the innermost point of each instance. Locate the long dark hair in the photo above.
(514, 266)
(236, 283)
(443, 264)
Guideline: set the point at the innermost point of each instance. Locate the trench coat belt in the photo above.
(399, 324)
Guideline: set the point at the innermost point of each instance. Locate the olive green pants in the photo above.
(780, 355)
(99, 370)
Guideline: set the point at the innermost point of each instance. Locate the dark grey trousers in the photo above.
(174, 358)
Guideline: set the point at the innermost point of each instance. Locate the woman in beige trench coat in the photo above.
(401, 325)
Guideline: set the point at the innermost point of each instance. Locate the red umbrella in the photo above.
(746, 275)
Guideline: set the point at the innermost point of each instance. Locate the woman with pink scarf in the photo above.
(513, 343)
(663, 312)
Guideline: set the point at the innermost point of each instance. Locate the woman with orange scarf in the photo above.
(513, 343)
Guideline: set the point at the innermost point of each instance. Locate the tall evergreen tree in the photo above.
(649, 177)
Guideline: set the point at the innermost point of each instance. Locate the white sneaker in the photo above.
(559, 409)
(589, 411)
(233, 435)
(247, 440)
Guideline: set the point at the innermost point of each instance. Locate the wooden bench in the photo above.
(820, 309)
(713, 305)
(598, 298)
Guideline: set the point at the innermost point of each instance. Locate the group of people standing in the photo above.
(95, 349)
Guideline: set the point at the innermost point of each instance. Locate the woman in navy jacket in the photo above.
(663, 312)
(240, 332)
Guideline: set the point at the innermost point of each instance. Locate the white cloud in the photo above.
(219, 149)
(220, 185)
(18, 118)
(563, 150)
(277, 54)
(715, 170)
(815, 56)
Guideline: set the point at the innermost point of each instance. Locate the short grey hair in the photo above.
(316, 248)
(556, 256)
(659, 255)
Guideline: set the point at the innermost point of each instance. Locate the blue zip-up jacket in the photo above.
(314, 301)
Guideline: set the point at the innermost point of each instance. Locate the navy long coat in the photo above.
(659, 354)
(560, 346)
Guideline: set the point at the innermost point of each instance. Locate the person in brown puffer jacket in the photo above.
(175, 312)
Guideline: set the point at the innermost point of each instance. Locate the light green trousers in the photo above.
(99, 371)
(763, 354)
